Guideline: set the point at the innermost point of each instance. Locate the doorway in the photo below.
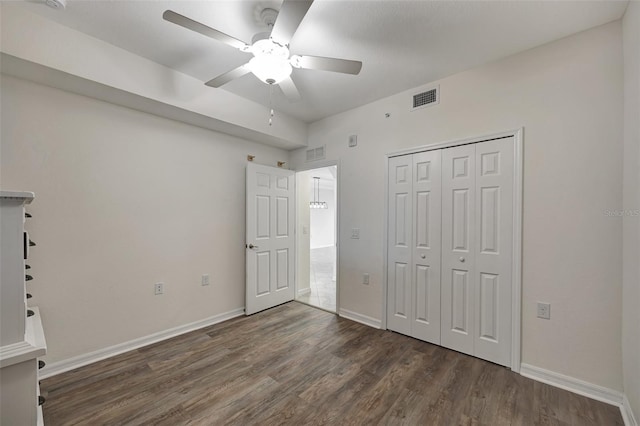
(317, 236)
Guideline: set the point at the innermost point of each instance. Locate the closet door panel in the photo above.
(399, 266)
(493, 247)
(426, 242)
(458, 292)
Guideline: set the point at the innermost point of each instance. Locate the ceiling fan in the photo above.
(272, 62)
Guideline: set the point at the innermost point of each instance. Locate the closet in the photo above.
(450, 247)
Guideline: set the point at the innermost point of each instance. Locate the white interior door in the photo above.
(458, 242)
(399, 276)
(270, 237)
(494, 250)
(427, 207)
(450, 247)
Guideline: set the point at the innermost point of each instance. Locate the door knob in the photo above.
(251, 246)
(462, 259)
(424, 256)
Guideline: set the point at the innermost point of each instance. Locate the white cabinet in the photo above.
(450, 247)
(21, 334)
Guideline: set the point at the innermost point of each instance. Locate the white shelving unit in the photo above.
(21, 336)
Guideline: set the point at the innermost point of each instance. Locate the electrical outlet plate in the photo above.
(544, 310)
(355, 233)
(158, 288)
(205, 279)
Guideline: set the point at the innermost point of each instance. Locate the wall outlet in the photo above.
(355, 233)
(365, 279)
(544, 310)
(158, 288)
(205, 279)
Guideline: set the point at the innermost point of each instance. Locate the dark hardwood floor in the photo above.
(297, 365)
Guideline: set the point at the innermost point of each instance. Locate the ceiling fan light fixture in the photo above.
(269, 69)
(270, 62)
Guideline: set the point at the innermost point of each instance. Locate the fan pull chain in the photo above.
(270, 104)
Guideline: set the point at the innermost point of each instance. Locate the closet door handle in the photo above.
(462, 259)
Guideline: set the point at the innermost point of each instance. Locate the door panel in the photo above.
(494, 186)
(426, 245)
(269, 234)
(399, 274)
(458, 236)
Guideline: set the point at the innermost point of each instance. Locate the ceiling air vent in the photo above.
(314, 154)
(426, 98)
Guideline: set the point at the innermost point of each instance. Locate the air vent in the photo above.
(314, 154)
(426, 98)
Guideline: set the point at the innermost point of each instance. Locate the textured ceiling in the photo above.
(402, 44)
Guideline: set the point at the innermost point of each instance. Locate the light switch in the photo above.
(305, 230)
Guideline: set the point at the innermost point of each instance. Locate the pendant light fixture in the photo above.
(316, 203)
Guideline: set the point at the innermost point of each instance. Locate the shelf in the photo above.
(34, 344)
(18, 195)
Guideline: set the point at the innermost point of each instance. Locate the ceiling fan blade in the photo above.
(228, 76)
(190, 24)
(344, 66)
(289, 89)
(291, 14)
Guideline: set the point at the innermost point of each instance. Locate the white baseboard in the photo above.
(91, 357)
(572, 384)
(303, 291)
(627, 412)
(362, 319)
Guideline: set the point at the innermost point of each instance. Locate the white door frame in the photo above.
(516, 270)
(319, 165)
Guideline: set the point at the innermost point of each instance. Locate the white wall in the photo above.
(303, 226)
(631, 226)
(323, 221)
(568, 97)
(124, 199)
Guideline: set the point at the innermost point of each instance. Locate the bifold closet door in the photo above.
(458, 239)
(477, 233)
(413, 299)
(494, 250)
(400, 205)
(426, 242)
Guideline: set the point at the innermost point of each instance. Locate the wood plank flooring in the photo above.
(297, 365)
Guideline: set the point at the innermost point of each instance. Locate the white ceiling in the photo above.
(402, 44)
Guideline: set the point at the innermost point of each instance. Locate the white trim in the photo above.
(516, 267)
(303, 291)
(385, 239)
(627, 413)
(362, 319)
(91, 357)
(516, 303)
(572, 384)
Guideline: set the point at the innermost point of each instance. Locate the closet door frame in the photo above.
(516, 269)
